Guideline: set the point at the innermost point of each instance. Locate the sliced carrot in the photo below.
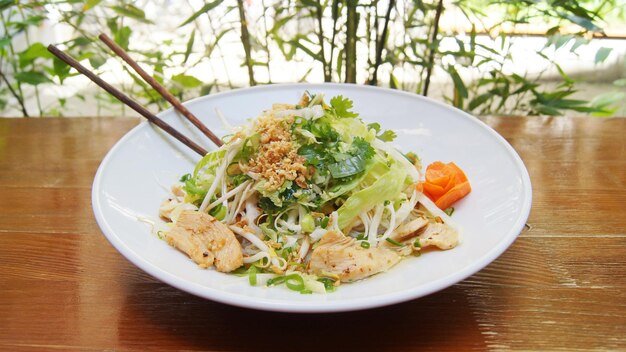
(457, 192)
(445, 184)
(434, 190)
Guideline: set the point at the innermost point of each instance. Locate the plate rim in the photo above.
(246, 301)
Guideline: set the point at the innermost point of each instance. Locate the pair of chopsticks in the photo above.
(132, 103)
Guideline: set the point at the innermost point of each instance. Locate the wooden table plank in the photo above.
(560, 286)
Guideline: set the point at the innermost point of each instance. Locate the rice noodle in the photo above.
(219, 174)
(433, 209)
(228, 195)
(257, 257)
(250, 237)
(405, 209)
(392, 222)
(304, 249)
(373, 230)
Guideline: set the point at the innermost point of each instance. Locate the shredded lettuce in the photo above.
(387, 187)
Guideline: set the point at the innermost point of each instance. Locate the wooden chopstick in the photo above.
(159, 88)
(126, 100)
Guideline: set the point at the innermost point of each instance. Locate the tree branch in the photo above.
(245, 40)
(381, 43)
(351, 30)
(320, 35)
(433, 49)
(15, 95)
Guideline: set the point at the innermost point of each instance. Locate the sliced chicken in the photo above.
(206, 241)
(439, 235)
(343, 258)
(435, 234)
(409, 230)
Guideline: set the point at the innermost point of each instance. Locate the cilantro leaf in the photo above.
(374, 126)
(362, 147)
(348, 167)
(342, 106)
(387, 136)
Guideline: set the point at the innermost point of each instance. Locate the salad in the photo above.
(309, 196)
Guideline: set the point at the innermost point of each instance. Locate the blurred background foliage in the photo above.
(201, 47)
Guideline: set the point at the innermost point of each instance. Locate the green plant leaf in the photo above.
(460, 89)
(479, 100)
(206, 8)
(602, 54)
(583, 22)
(608, 103)
(37, 50)
(96, 61)
(90, 4)
(32, 77)
(189, 46)
(187, 81)
(578, 43)
(5, 4)
(4, 42)
(131, 11)
(60, 69)
(393, 82)
(122, 37)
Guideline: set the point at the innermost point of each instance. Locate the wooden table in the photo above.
(561, 285)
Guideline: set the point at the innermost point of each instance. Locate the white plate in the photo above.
(129, 184)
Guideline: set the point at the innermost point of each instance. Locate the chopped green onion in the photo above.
(233, 169)
(365, 244)
(306, 292)
(449, 211)
(185, 177)
(395, 243)
(307, 223)
(324, 222)
(219, 212)
(329, 284)
(361, 236)
(417, 243)
(160, 234)
(265, 261)
(294, 282)
(252, 275)
(276, 281)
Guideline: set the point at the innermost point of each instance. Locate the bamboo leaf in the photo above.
(89, 4)
(583, 22)
(189, 46)
(5, 4)
(393, 82)
(206, 8)
(479, 100)
(460, 91)
(131, 11)
(602, 54)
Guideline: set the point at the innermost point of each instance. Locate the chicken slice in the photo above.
(343, 258)
(439, 235)
(206, 241)
(435, 234)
